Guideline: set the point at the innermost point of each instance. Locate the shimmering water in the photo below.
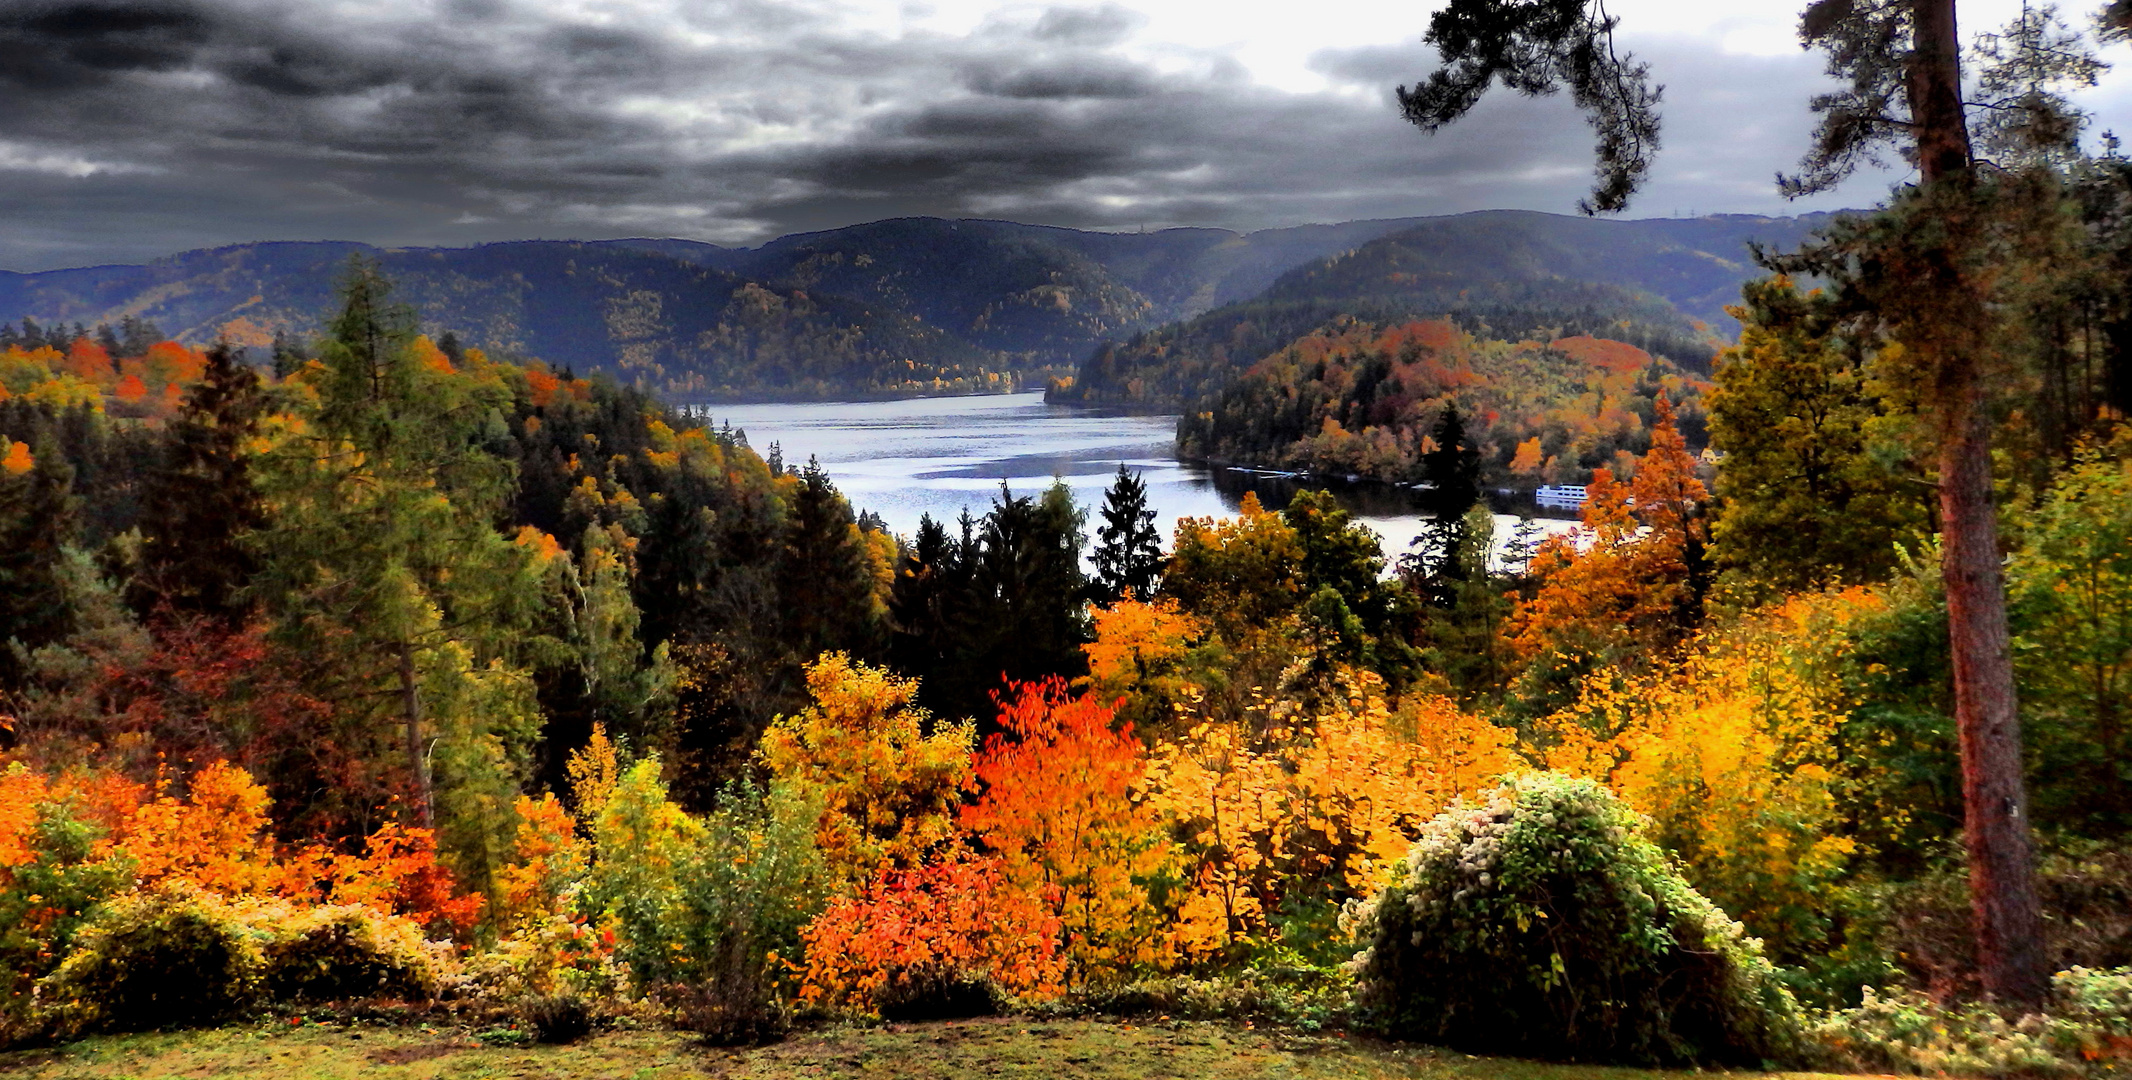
(941, 456)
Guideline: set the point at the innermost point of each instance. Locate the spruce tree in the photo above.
(39, 519)
(1013, 609)
(918, 601)
(1451, 471)
(824, 581)
(1128, 553)
(201, 502)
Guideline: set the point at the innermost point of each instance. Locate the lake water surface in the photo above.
(941, 456)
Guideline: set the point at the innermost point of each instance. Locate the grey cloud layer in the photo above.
(140, 127)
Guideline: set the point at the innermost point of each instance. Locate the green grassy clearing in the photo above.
(953, 1050)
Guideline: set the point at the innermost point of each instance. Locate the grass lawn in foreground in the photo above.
(950, 1050)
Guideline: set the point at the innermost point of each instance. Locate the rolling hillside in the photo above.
(924, 305)
(1659, 284)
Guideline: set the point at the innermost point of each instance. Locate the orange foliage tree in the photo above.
(87, 361)
(1632, 579)
(909, 937)
(1060, 809)
(212, 831)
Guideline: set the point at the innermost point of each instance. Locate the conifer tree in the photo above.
(823, 581)
(1006, 602)
(383, 563)
(1451, 473)
(39, 518)
(202, 501)
(1128, 553)
(930, 591)
(1806, 502)
(1936, 270)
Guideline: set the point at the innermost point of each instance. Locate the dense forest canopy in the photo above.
(392, 632)
(393, 669)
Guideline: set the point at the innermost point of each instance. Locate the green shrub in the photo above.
(2085, 1030)
(1542, 922)
(44, 902)
(702, 904)
(948, 995)
(173, 957)
(1307, 1003)
(557, 1019)
(343, 953)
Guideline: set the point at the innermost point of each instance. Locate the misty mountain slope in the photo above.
(1658, 284)
(1696, 264)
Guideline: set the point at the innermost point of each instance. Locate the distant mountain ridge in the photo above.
(1659, 284)
(895, 307)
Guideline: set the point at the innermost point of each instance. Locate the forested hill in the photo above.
(925, 305)
(912, 305)
(650, 319)
(1660, 284)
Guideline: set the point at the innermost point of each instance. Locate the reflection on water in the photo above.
(943, 456)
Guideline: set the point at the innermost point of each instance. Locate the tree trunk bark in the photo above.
(2002, 888)
(1934, 91)
(417, 759)
(2002, 891)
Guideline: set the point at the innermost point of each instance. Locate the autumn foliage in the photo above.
(1631, 580)
(214, 835)
(1063, 808)
(944, 935)
(889, 778)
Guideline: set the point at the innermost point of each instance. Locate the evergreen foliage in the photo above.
(1450, 475)
(1003, 603)
(383, 563)
(1811, 490)
(38, 520)
(1128, 554)
(202, 500)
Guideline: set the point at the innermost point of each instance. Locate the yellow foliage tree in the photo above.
(1319, 807)
(1139, 654)
(889, 778)
(1732, 753)
(1241, 572)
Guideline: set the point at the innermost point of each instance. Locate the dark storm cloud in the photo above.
(137, 128)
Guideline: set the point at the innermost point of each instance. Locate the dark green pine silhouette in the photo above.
(1451, 471)
(1128, 553)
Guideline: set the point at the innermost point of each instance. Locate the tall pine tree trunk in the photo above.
(417, 760)
(2008, 921)
(2002, 891)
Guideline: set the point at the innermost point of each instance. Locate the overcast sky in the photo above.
(136, 128)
